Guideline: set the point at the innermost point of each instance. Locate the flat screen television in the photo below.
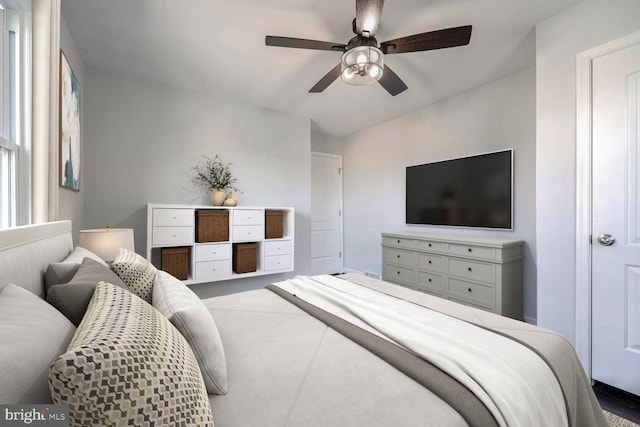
(474, 191)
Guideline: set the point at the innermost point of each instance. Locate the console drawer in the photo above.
(400, 241)
(248, 217)
(277, 262)
(173, 217)
(213, 269)
(213, 252)
(472, 251)
(396, 273)
(279, 247)
(172, 236)
(430, 262)
(430, 282)
(251, 233)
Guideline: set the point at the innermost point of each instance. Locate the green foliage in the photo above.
(213, 174)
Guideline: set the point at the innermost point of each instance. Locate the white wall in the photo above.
(323, 143)
(495, 116)
(71, 203)
(558, 41)
(142, 140)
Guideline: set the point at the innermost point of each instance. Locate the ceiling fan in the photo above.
(362, 59)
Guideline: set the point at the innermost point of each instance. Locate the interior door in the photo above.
(326, 214)
(616, 220)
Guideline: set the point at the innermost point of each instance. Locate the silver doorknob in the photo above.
(606, 239)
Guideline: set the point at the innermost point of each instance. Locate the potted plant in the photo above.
(215, 175)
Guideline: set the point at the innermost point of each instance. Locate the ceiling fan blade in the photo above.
(449, 37)
(368, 16)
(391, 82)
(329, 78)
(303, 43)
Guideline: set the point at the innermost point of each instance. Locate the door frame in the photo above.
(340, 200)
(584, 190)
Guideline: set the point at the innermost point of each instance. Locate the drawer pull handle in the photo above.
(469, 289)
(398, 272)
(398, 256)
(469, 268)
(429, 244)
(173, 235)
(429, 278)
(469, 249)
(429, 261)
(174, 217)
(398, 241)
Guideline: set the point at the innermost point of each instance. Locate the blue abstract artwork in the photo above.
(69, 126)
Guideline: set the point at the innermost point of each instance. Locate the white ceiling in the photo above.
(217, 47)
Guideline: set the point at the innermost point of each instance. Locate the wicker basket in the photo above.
(244, 257)
(212, 225)
(273, 220)
(175, 261)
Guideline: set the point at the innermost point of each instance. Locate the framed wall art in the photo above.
(69, 126)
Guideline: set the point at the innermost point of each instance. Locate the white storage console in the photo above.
(175, 226)
(485, 273)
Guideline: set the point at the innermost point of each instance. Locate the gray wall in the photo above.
(495, 116)
(559, 40)
(142, 140)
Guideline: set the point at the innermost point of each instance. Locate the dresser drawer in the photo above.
(248, 217)
(277, 262)
(430, 262)
(396, 273)
(398, 256)
(430, 282)
(279, 247)
(172, 236)
(470, 304)
(476, 293)
(400, 241)
(173, 217)
(251, 233)
(430, 246)
(213, 269)
(475, 270)
(472, 251)
(213, 252)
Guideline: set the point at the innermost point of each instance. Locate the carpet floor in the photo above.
(616, 421)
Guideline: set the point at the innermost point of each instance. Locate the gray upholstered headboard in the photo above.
(25, 253)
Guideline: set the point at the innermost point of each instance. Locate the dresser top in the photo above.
(476, 240)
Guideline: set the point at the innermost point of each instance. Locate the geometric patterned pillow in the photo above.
(127, 365)
(136, 272)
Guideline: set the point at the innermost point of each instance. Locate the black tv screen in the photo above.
(474, 191)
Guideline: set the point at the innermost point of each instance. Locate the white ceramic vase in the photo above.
(217, 197)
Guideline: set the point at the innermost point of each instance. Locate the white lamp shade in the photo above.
(105, 242)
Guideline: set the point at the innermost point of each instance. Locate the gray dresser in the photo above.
(485, 273)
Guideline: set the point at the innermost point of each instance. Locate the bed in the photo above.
(317, 351)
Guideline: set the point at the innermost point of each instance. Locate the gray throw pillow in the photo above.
(72, 298)
(63, 271)
(32, 335)
(190, 316)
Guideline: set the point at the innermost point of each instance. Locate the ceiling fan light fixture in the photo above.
(362, 65)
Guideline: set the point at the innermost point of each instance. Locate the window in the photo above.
(15, 107)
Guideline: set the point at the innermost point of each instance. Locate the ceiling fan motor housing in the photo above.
(362, 62)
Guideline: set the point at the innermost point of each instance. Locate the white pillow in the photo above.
(189, 315)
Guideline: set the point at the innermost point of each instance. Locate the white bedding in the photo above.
(515, 384)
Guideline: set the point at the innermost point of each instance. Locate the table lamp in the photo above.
(105, 242)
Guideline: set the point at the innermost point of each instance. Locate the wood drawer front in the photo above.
(481, 271)
(213, 269)
(472, 251)
(396, 273)
(213, 252)
(280, 247)
(430, 262)
(430, 282)
(400, 241)
(248, 217)
(398, 256)
(431, 246)
(172, 236)
(277, 262)
(173, 217)
(250, 233)
(476, 293)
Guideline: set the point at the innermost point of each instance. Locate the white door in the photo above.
(326, 214)
(616, 215)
